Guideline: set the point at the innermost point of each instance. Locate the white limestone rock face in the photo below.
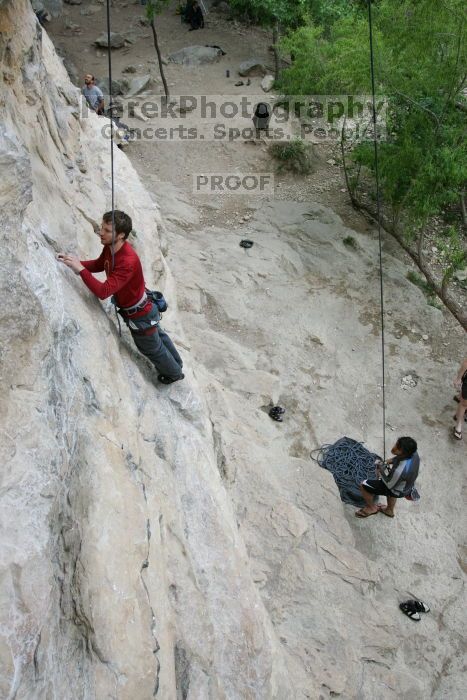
(168, 542)
(122, 571)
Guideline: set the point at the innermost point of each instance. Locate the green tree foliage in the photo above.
(326, 12)
(288, 13)
(421, 67)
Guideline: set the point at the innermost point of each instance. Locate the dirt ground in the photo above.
(175, 162)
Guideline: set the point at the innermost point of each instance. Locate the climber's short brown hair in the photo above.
(123, 223)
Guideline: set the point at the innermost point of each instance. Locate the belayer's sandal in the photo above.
(382, 509)
(457, 434)
(361, 513)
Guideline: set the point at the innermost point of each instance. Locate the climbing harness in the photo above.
(350, 463)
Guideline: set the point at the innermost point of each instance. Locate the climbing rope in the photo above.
(112, 177)
(378, 208)
(350, 463)
(109, 55)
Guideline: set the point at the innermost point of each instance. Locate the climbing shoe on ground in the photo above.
(245, 243)
(418, 605)
(410, 611)
(169, 380)
(276, 413)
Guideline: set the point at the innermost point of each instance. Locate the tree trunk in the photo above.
(440, 289)
(275, 41)
(159, 58)
(463, 208)
(344, 165)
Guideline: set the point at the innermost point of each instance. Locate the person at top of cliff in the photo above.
(460, 382)
(93, 94)
(125, 281)
(396, 479)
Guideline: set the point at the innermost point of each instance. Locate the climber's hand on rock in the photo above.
(72, 262)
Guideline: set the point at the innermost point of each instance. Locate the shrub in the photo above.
(294, 156)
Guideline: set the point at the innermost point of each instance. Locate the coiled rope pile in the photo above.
(350, 463)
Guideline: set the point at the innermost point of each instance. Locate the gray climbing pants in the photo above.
(157, 347)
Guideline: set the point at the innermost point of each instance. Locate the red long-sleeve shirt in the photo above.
(125, 281)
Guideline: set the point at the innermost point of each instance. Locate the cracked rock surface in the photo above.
(174, 542)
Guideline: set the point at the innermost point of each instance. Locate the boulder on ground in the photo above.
(137, 85)
(52, 7)
(90, 10)
(267, 82)
(195, 55)
(252, 66)
(221, 7)
(118, 86)
(117, 41)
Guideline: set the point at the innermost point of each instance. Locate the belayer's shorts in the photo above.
(379, 488)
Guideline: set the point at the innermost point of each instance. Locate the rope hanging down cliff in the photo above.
(347, 459)
(109, 56)
(378, 208)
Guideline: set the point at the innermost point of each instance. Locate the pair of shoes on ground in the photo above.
(276, 413)
(169, 380)
(413, 608)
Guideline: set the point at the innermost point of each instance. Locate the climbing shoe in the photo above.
(418, 606)
(169, 380)
(277, 409)
(276, 413)
(410, 611)
(245, 243)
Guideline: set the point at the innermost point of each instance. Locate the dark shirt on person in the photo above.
(400, 475)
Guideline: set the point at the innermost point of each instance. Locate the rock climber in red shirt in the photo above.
(126, 282)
